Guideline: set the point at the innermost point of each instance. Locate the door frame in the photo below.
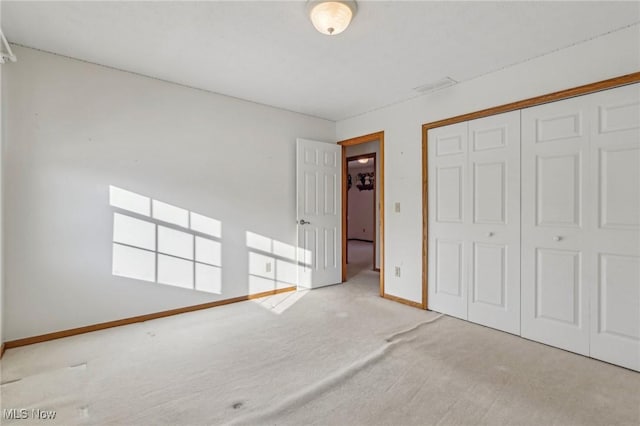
(379, 180)
(375, 201)
(526, 103)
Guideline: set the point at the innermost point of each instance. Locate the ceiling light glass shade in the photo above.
(363, 160)
(331, 17)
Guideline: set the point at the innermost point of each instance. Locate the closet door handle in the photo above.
(557, 238)
(489, 234)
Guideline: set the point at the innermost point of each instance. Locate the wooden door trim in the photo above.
(538, 100)
(513, 106)
(372, 137)
(350, 159)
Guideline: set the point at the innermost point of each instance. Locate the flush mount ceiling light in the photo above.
(331, 17)
(363, 160)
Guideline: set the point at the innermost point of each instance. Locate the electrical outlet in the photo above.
(267, 267)
(398, 271)
(397, 207)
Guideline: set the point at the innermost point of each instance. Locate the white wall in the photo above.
(72, 129)
(360, 211)
(605, 57)
(370, 148)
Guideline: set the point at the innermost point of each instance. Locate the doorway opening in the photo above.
(361, 212)
(363, 193)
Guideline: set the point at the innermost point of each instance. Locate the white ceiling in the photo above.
(268, 52)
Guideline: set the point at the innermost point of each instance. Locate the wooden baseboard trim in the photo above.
(141, 318)
(2, 349)
(404, 301)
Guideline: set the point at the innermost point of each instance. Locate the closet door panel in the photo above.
(448, 220)
(534, 223)
(494, 231)
(615, 165)
(556, 256)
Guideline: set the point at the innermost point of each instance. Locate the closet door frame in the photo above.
(538, 100)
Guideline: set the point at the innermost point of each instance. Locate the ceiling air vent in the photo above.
(436, 85)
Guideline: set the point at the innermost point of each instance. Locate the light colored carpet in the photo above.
(334, 356)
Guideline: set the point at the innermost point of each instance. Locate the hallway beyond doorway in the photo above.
(360, 259)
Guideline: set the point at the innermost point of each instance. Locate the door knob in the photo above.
(489, 234)
(304, 222)
(557, 238)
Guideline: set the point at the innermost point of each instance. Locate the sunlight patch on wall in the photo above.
(162, 243)
(206, 225)
(130, 201)
(273, 264)
(134, 232)
(134, 263)
(170, 214)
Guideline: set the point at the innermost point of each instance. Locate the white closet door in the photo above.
(615, 165)
(494, 231)
(555, 247)
(448, 219)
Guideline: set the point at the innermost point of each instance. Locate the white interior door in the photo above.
(556, 252)
(319, 213)
(615, 165)
(494, 229)
(448, 219)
